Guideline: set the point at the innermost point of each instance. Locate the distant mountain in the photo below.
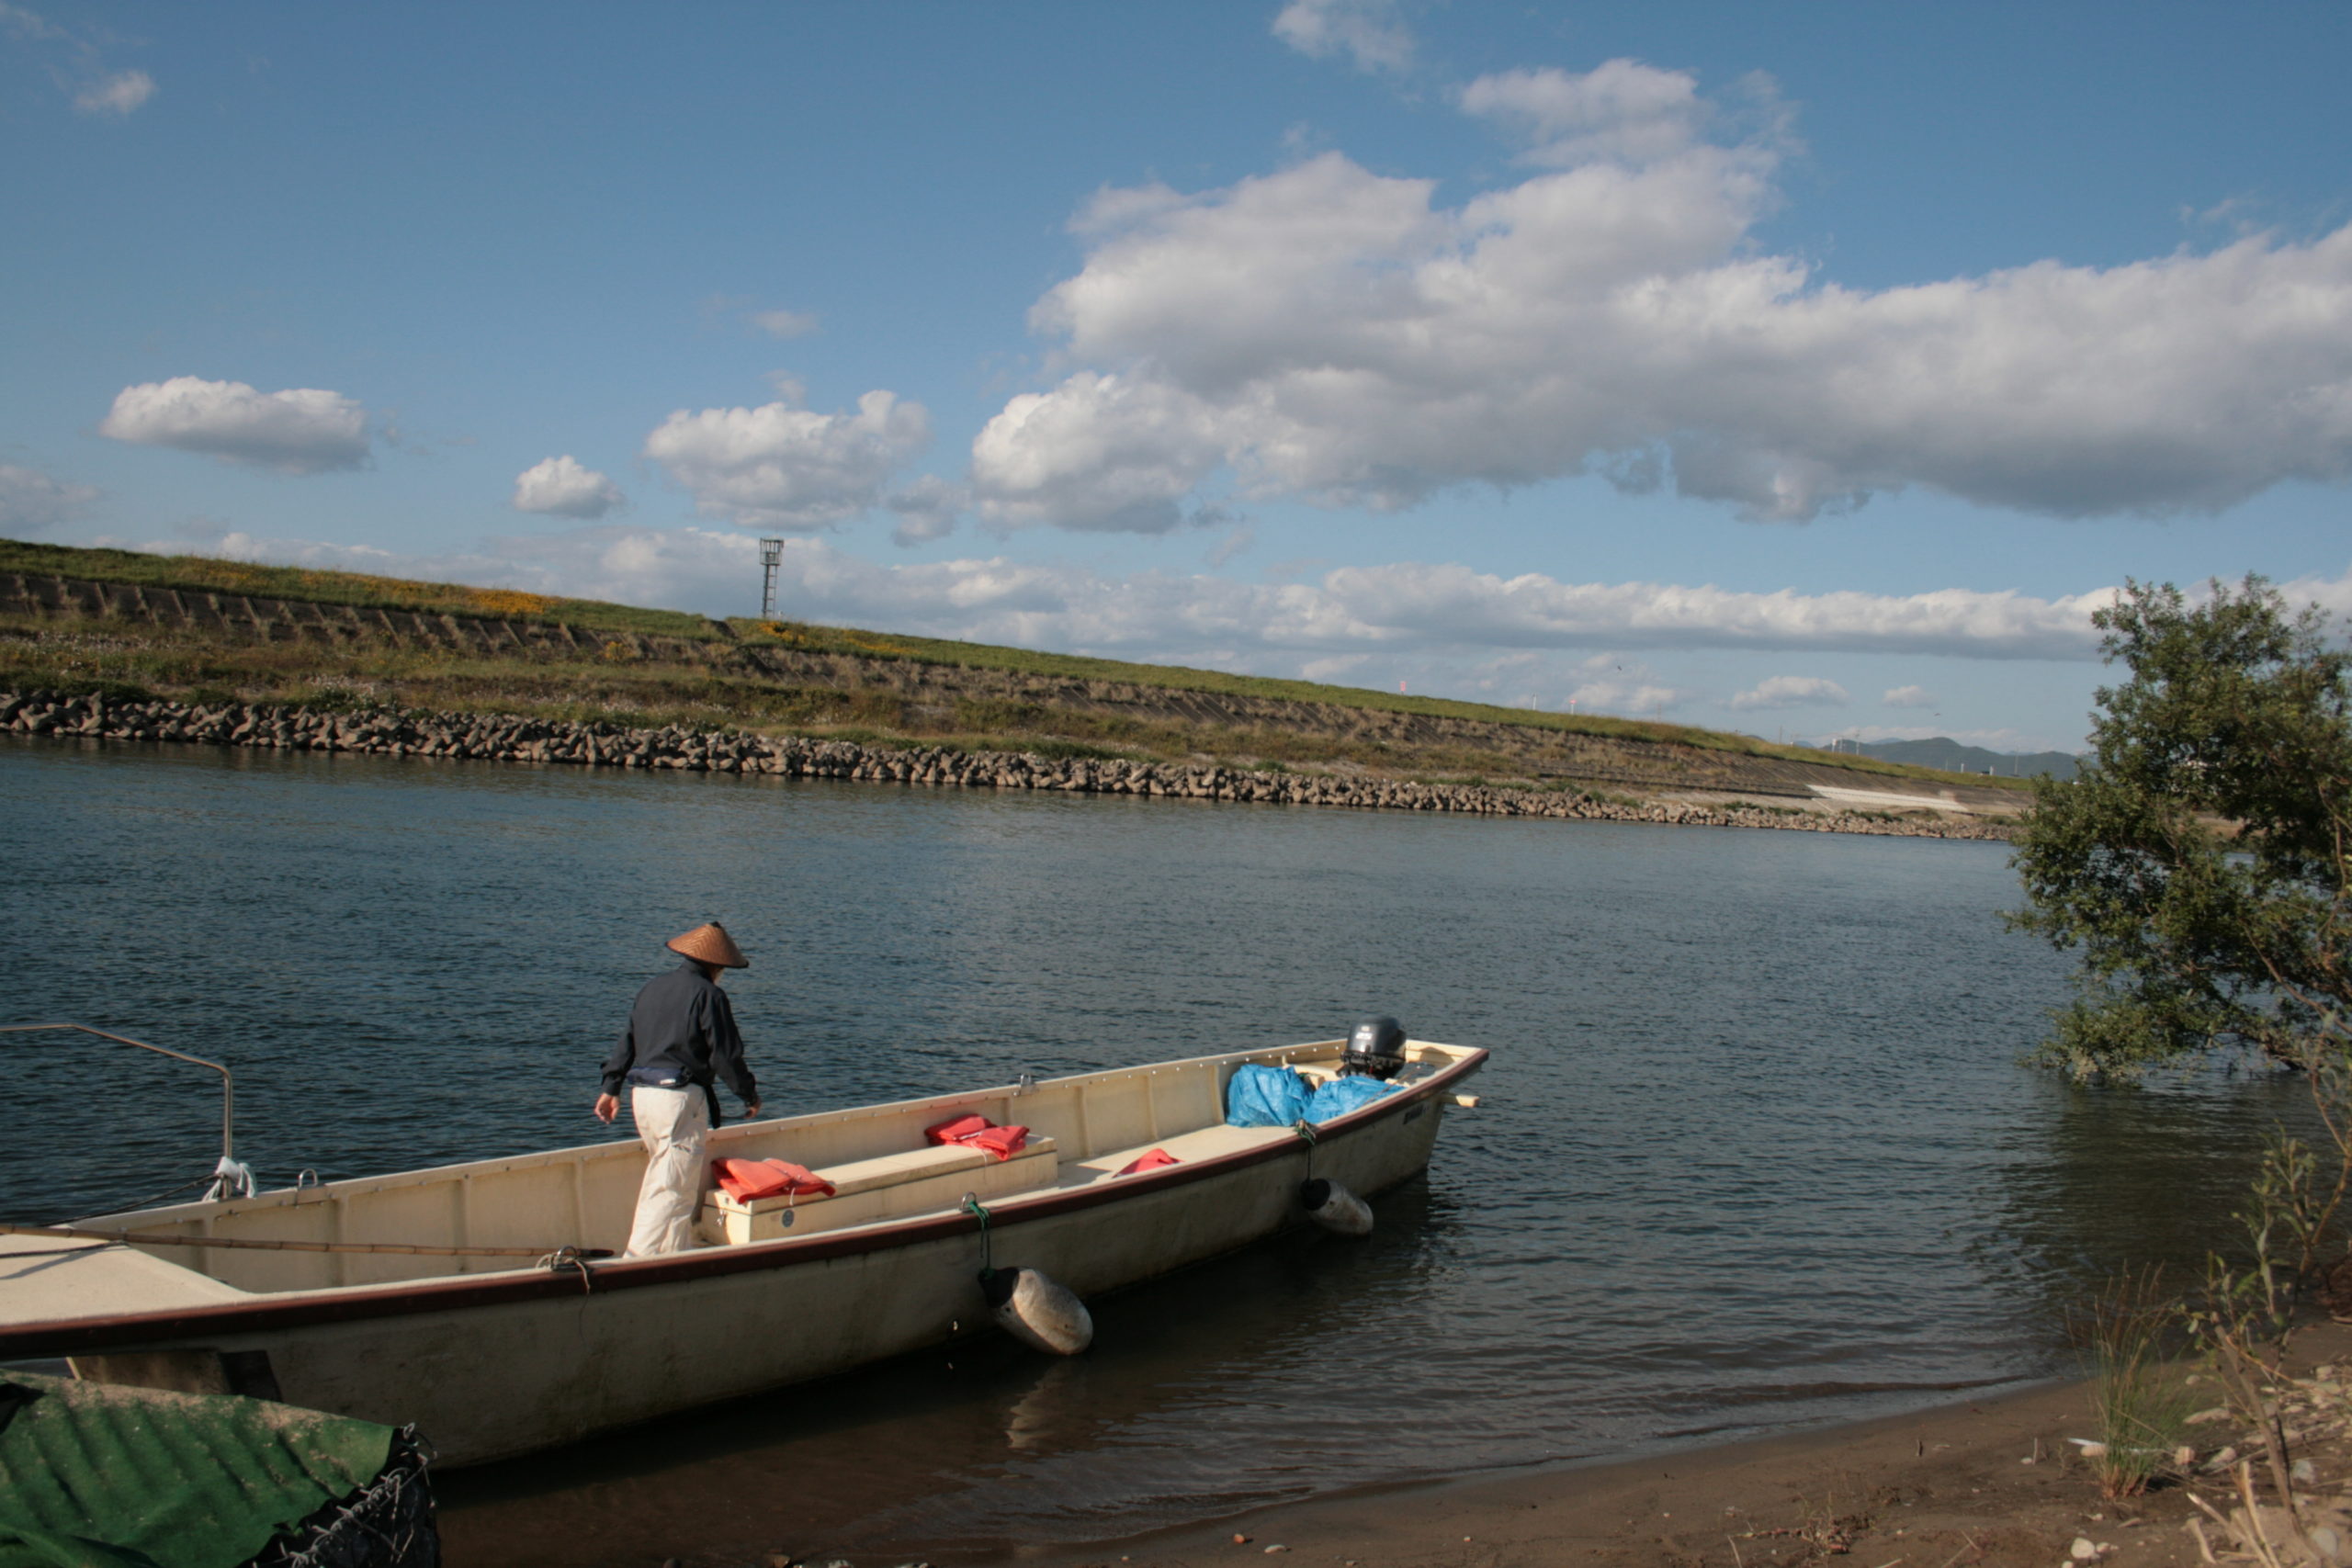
(1942, 752)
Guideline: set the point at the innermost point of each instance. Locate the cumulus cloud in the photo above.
(1606, 683)
(1327, 333)
(32, 503)
(1348, 613)
(1790, 692)
(1536, 611)
(119, 93)
(1099, 452)
(782, 465)
(299, 431)
(1623, 110)
(561, 486)
(926, 510)
(1370, 33)
(1909, 697)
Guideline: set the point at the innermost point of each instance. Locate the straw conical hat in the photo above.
(709, 945)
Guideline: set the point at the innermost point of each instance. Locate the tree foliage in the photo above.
(2198, 861)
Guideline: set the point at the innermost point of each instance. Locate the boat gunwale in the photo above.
(305, 1309)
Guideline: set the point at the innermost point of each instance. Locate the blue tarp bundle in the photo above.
(1277, 1097)
(1343, 1095)
(1265, 1097)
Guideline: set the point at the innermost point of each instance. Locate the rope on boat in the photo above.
(574, 1258)
(1306, 1132)
(135, 1238)
(978, 1211)
(153, 1199)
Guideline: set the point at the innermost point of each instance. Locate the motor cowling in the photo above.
(1037, 1310)
(1375, 1049)
(1332, 1205)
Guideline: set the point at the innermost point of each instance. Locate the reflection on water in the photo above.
(2099, 1183)
(1756, 1147)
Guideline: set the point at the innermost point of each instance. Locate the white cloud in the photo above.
(1327, 332)
(32, 25)
(1098, 452)
(1623, 110)
(780, 466)
(1790, 692)
(1347, 613)
(926, 510)
(100, 91)
(1909, 697)
(300, 431)
(1536, 611)
(1609, 683)
(561, 486)
(784, 323)
(119, 93)
(1629, 699)
(31, 502)
(1370, 33)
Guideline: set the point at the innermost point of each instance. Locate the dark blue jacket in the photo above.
(681, 1027)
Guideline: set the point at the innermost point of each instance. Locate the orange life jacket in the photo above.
(1002, 1142)
(957, 1129)
(747, 1181)
(978, 1132)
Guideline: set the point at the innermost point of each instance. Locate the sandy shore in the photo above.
(1990, 1481)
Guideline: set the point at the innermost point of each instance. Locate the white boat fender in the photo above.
(1337, 1210)
(1037, 1312)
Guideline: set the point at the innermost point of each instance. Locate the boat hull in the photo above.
(492, 1365)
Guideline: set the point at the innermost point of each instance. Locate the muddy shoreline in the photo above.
(1994, 1479)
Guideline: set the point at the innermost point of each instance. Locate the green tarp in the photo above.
(108, 1477)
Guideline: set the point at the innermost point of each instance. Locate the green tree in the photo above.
(2199, 860)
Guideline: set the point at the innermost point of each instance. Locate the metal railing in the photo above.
(228, 1178)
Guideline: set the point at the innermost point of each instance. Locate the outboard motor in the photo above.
(1037, 1310)
(1337, 1210)
(1375, 1049)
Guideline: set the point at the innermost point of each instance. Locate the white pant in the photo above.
(672, 1122)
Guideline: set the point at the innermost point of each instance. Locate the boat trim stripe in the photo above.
(131, 1330)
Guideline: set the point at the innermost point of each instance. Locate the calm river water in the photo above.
(1756, 1147)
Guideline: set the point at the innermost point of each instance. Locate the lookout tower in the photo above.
(770, 553)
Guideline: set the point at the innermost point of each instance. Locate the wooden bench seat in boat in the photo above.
(1205, 1143)
(913, 1182)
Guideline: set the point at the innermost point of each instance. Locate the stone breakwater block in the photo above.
(598, 743)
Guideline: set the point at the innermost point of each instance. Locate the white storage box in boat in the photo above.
(913, 1182)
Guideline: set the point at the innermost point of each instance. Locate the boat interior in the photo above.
(1084, 1129)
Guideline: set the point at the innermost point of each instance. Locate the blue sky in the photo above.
(1809, 369)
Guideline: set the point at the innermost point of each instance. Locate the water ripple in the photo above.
(1756, 1147)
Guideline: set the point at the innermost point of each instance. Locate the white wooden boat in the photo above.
(495, 1355)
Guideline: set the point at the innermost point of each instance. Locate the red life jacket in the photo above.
(978, 1132)
(957, 1129)
(1002, 1142)
(747, 1180)
(1151, 1161)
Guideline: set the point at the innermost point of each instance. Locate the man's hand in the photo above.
(751, 1111)
(607, 1107)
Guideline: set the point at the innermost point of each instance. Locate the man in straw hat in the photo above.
(681, 1029)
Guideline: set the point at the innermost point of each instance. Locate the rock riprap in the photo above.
(492, 737)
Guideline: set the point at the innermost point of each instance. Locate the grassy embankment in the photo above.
(858, 686)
